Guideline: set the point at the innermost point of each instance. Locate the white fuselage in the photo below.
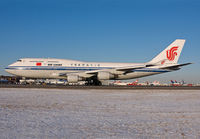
(52, 68)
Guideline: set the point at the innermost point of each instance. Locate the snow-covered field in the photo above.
(54, 113)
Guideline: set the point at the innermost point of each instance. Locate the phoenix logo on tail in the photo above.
(172, 53)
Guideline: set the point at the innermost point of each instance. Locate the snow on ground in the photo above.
(54, 113)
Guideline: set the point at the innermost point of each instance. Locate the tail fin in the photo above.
(171, 54)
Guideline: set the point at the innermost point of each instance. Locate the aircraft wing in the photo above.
(131, 67)
(118, 69)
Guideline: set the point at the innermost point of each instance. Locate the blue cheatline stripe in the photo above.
(78, 68)
(55, 68)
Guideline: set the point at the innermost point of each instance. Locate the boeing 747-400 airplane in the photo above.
(95, 72)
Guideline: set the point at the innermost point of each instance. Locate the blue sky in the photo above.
(101, 30)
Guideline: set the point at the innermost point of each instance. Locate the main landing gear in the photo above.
(94, 82)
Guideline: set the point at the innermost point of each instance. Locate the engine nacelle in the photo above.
(73, 78)
(104, 75)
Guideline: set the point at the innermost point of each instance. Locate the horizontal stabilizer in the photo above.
(177, 66)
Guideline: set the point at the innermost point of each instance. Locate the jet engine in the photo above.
(73, 78)
(105, 76)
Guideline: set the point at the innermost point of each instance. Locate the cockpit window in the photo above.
(19, 60)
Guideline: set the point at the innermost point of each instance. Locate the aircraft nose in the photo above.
(7, 69)
(11, 70)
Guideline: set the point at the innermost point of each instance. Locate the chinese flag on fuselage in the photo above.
(38, 64)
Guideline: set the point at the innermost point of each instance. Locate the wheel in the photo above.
(93, 82)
